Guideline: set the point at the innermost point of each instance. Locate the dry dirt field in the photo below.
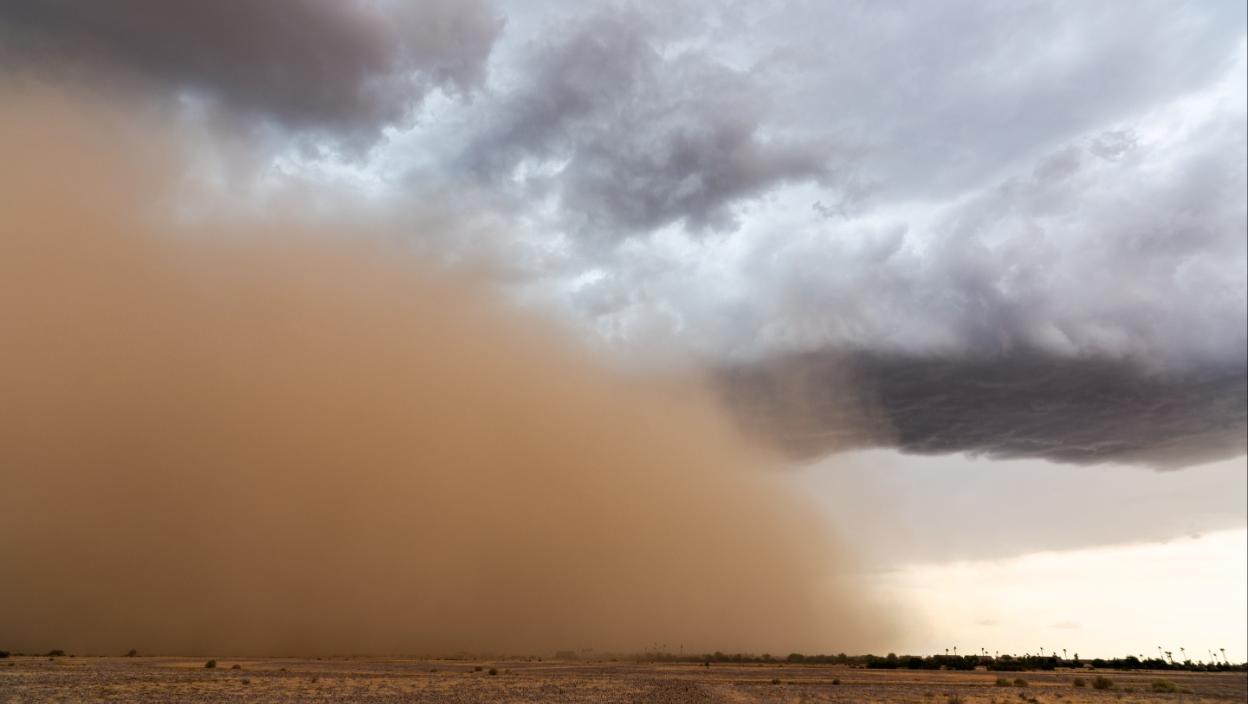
(161, 679)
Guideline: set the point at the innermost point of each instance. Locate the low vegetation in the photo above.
(1163, 686)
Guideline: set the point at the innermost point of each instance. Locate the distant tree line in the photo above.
(1001, 663)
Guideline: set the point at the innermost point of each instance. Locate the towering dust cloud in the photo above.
(261, 440)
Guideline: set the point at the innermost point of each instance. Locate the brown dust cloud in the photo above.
(254, 436)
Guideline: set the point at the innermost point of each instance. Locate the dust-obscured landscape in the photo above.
(619, 332)
(89, 679)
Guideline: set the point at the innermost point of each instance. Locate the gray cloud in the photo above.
(945, 95)
(1089, 309)
(344, 68)
(633, 132)
(1139, 256)
(1072, 410)
(1080, 197)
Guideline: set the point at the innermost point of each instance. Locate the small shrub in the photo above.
(775, 680)
(1020, 682)
(433, 669)
(58, 653)
(836, 680)
(1163, 686)
(236, 666)
(1003, 682)
(246, 681)
(493, 671)
(210, 664)
(4, 654)
(132, 653)
(955, 699)
(477, 668)
(1102, 682)
(1080, 682)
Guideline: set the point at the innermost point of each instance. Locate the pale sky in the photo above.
(1015, 555)
(979, 268)
(1098, 602)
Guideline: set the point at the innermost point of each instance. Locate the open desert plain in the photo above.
(92, 679)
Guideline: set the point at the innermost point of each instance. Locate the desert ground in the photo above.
(143, 679)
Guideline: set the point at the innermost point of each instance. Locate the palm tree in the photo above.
(1228, 662)
(1184, 652)
(1063, 653)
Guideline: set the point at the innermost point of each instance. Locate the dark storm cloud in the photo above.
(1090, 309)
(343, 67)
(1070, 410)
(634, 133)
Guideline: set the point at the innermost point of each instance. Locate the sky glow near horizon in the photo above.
(1105, 602)
(1018, 554)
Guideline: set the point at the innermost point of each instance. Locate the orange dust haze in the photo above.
(265, 438)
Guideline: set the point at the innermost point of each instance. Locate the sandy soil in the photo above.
(81, 679)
